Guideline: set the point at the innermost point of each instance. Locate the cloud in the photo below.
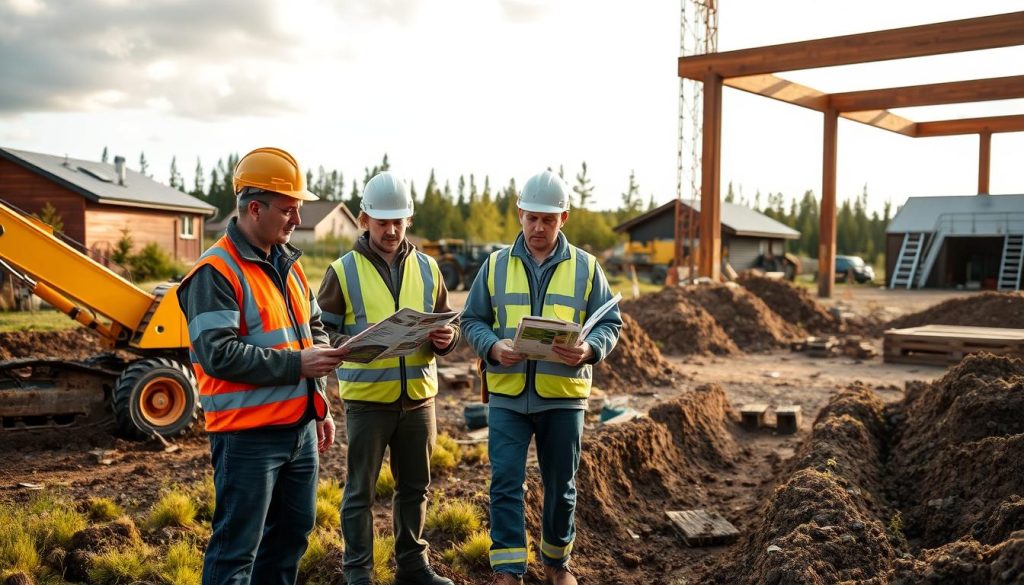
(200, 59)
(524, 10)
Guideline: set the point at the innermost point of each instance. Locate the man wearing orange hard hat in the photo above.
(260, 354)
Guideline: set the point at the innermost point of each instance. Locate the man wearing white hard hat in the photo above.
(541, 274)
(389, 403)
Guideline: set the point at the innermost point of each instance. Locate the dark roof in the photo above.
(97, 182)
(313, 212)
(738, 220)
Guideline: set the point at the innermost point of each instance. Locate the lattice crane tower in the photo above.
(698, 34)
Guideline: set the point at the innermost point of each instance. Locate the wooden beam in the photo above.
(984, 161)
(993, 124)
(710, 196)
(933, 94)
(972, 34)
(801, 95)
(827, 217)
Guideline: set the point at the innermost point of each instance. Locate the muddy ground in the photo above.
(938, 449)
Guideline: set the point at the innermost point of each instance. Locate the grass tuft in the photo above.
(477, 454)
(328, 515)
(175, 508)
(456, 518)
(471, 554)
(383, 550)
(17, 546)
(120, 566)
(182, 564)
(52, 521)
(205, 497)
(385, 487)
(104, 510)
(321, 544)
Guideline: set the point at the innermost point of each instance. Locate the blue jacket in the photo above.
(478, 321)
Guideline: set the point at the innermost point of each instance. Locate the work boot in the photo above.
(424, 576)
(500, 578)
(558, 575)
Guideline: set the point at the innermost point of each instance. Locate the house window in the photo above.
(188, 227)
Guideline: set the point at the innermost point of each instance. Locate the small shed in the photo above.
(98, 201)
(746, 234)
(969, 241)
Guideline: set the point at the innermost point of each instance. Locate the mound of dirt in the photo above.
(680, 326)
(751, 324)
(822, 525)
(74, 343)
(964, 562)
(699, 422)
(636, 362)
(960, 452)
(988, 309)
(794, 304)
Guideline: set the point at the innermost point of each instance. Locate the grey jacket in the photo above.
(221, 353)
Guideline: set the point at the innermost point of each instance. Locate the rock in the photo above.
(630, 560)
(774, 549)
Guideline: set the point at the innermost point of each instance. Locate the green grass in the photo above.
(471, 554)
(385, 487)
(620, 283)
(43, 320)
(315, 265)
(456, 518)
(204, 495)
(104, 510)
(477, 454)
(17, 545)
(383, 550)
(175, 508)
(321, 544)
(182, 564)
(120, 566)
(446, 454)
(52, 521)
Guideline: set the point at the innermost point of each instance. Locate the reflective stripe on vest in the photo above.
(263, 320)
(566, 299)
(368, 300)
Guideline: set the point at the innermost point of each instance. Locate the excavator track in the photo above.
(53, 393)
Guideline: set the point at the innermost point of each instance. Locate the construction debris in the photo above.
(702, 527)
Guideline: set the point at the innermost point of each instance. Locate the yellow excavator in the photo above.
(151, 392)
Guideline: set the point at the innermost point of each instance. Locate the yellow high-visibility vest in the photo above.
(565, 298)
(368, 300)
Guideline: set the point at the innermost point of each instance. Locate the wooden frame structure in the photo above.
(753, 70)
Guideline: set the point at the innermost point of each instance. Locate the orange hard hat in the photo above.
(271, 169)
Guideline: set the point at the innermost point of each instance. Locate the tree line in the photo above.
(483, 212)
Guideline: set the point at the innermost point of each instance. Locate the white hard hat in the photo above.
(544, 193)
(386, 197)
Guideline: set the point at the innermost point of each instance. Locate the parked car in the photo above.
(855, 266)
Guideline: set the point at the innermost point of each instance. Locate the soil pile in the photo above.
(965, 562)
(959, 451)
(630, 473)
(636, 362)
(822, 524)
(793, 303)
(751, 324)
(75, 343)
(678, 325)
(988, 309)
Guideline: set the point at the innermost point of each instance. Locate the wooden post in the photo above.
(827, 237)
(984, 160)
(710, 196)
(679, 238)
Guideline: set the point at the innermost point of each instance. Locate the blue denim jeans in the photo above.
(559, 435)
(265, 506)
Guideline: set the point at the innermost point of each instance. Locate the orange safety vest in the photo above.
(265, 321)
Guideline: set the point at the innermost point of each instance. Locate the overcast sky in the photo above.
(502, 88)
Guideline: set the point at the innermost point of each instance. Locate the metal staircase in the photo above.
(1013, 257)
(906, 263)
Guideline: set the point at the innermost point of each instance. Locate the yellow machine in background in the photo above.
(152, 392)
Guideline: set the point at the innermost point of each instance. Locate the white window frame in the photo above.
(188, 227)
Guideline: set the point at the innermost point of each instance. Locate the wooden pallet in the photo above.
(948, 344)
(702, 527)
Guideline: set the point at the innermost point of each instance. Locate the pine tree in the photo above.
(730, 196)
(198, 188)
(631, 203)
(583, 189)
(143, 164)
(176, 181)
(104, 157)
